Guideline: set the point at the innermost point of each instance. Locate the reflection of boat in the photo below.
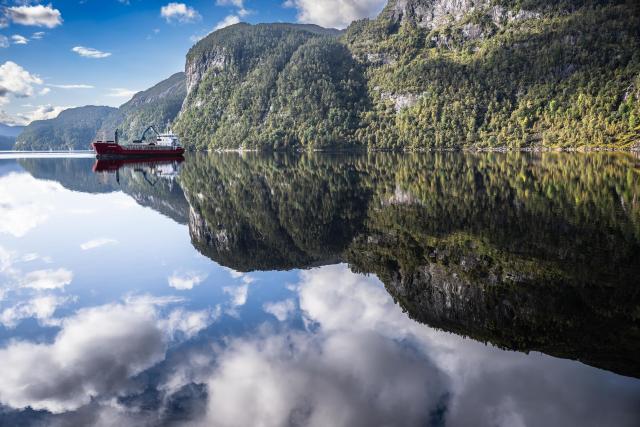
(113, 165)
(165, 145)
(158, 168)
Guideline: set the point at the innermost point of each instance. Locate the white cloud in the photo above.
(186, 281)
(40, 307)
(38, 15)
(16, 81)
(335, 13)
(96, 243)
(18, 39)
(19, 210)
(188, 323)
(95, 353)
(119, 92)
(281, 309)
(238, 295)
(89, 52)
(47, 279)
(41, 112)
(37, 35)
(72, 86)
(4, 41)
(227, 21)
(44, 91)
(179, 12)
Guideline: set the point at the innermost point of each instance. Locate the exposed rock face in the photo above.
(431, 14)
(197, 67)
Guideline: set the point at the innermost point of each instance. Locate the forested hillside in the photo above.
(76, 128)
(424, 74)
(156, 106)
(270, 86)
(73, 129)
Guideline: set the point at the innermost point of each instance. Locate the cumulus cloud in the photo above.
(179, 12)
(281, 309)
(40, 307)
(16, 81)
(47, 279)
(335, 13)
(96, 243)
(38, 15)
(18, 39)
(18, 210)
(186, 281)
(89, 52)
(40, 112)
(188, 323)
(227, 21)
(95, 353)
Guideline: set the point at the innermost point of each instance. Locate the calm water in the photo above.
(321, 290)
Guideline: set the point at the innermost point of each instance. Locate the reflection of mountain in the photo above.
(529, 252)
(148, 184)
(267, 213)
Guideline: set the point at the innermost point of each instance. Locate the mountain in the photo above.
(76, 128)
(270, 86)
(73, 129)
(7, 142)
(424, 74)
(10, 131)
(155, 106)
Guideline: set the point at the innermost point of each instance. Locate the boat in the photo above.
(165, 145)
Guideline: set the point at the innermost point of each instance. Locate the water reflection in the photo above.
(121, 321)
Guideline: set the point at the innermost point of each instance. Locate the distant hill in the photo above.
(73, 129)
(76, 128)
(7, 142)
(155, 106)
(12, 131)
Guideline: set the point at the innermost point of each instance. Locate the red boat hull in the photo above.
(111, 150)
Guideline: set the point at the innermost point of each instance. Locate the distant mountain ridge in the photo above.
(76, 128)
(10, 131)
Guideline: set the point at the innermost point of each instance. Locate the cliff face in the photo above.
(270, 86)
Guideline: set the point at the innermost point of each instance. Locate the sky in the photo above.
(68, 53)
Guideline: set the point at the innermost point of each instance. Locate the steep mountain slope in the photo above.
(155, 106)
(438, 74)
(73, 129)
(270, 86)
(501, 73)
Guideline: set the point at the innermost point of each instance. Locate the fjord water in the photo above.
(321, 289)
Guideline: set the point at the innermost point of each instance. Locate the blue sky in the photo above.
(99, 52)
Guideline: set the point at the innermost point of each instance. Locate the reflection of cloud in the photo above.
(95, 353)
(96, 243)
(41, 308)
(26, 203)
(364, 362)
(189, 323)
(238, 295)
(281, 309)
(47, 279)
(186, 281)
(341, 379)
